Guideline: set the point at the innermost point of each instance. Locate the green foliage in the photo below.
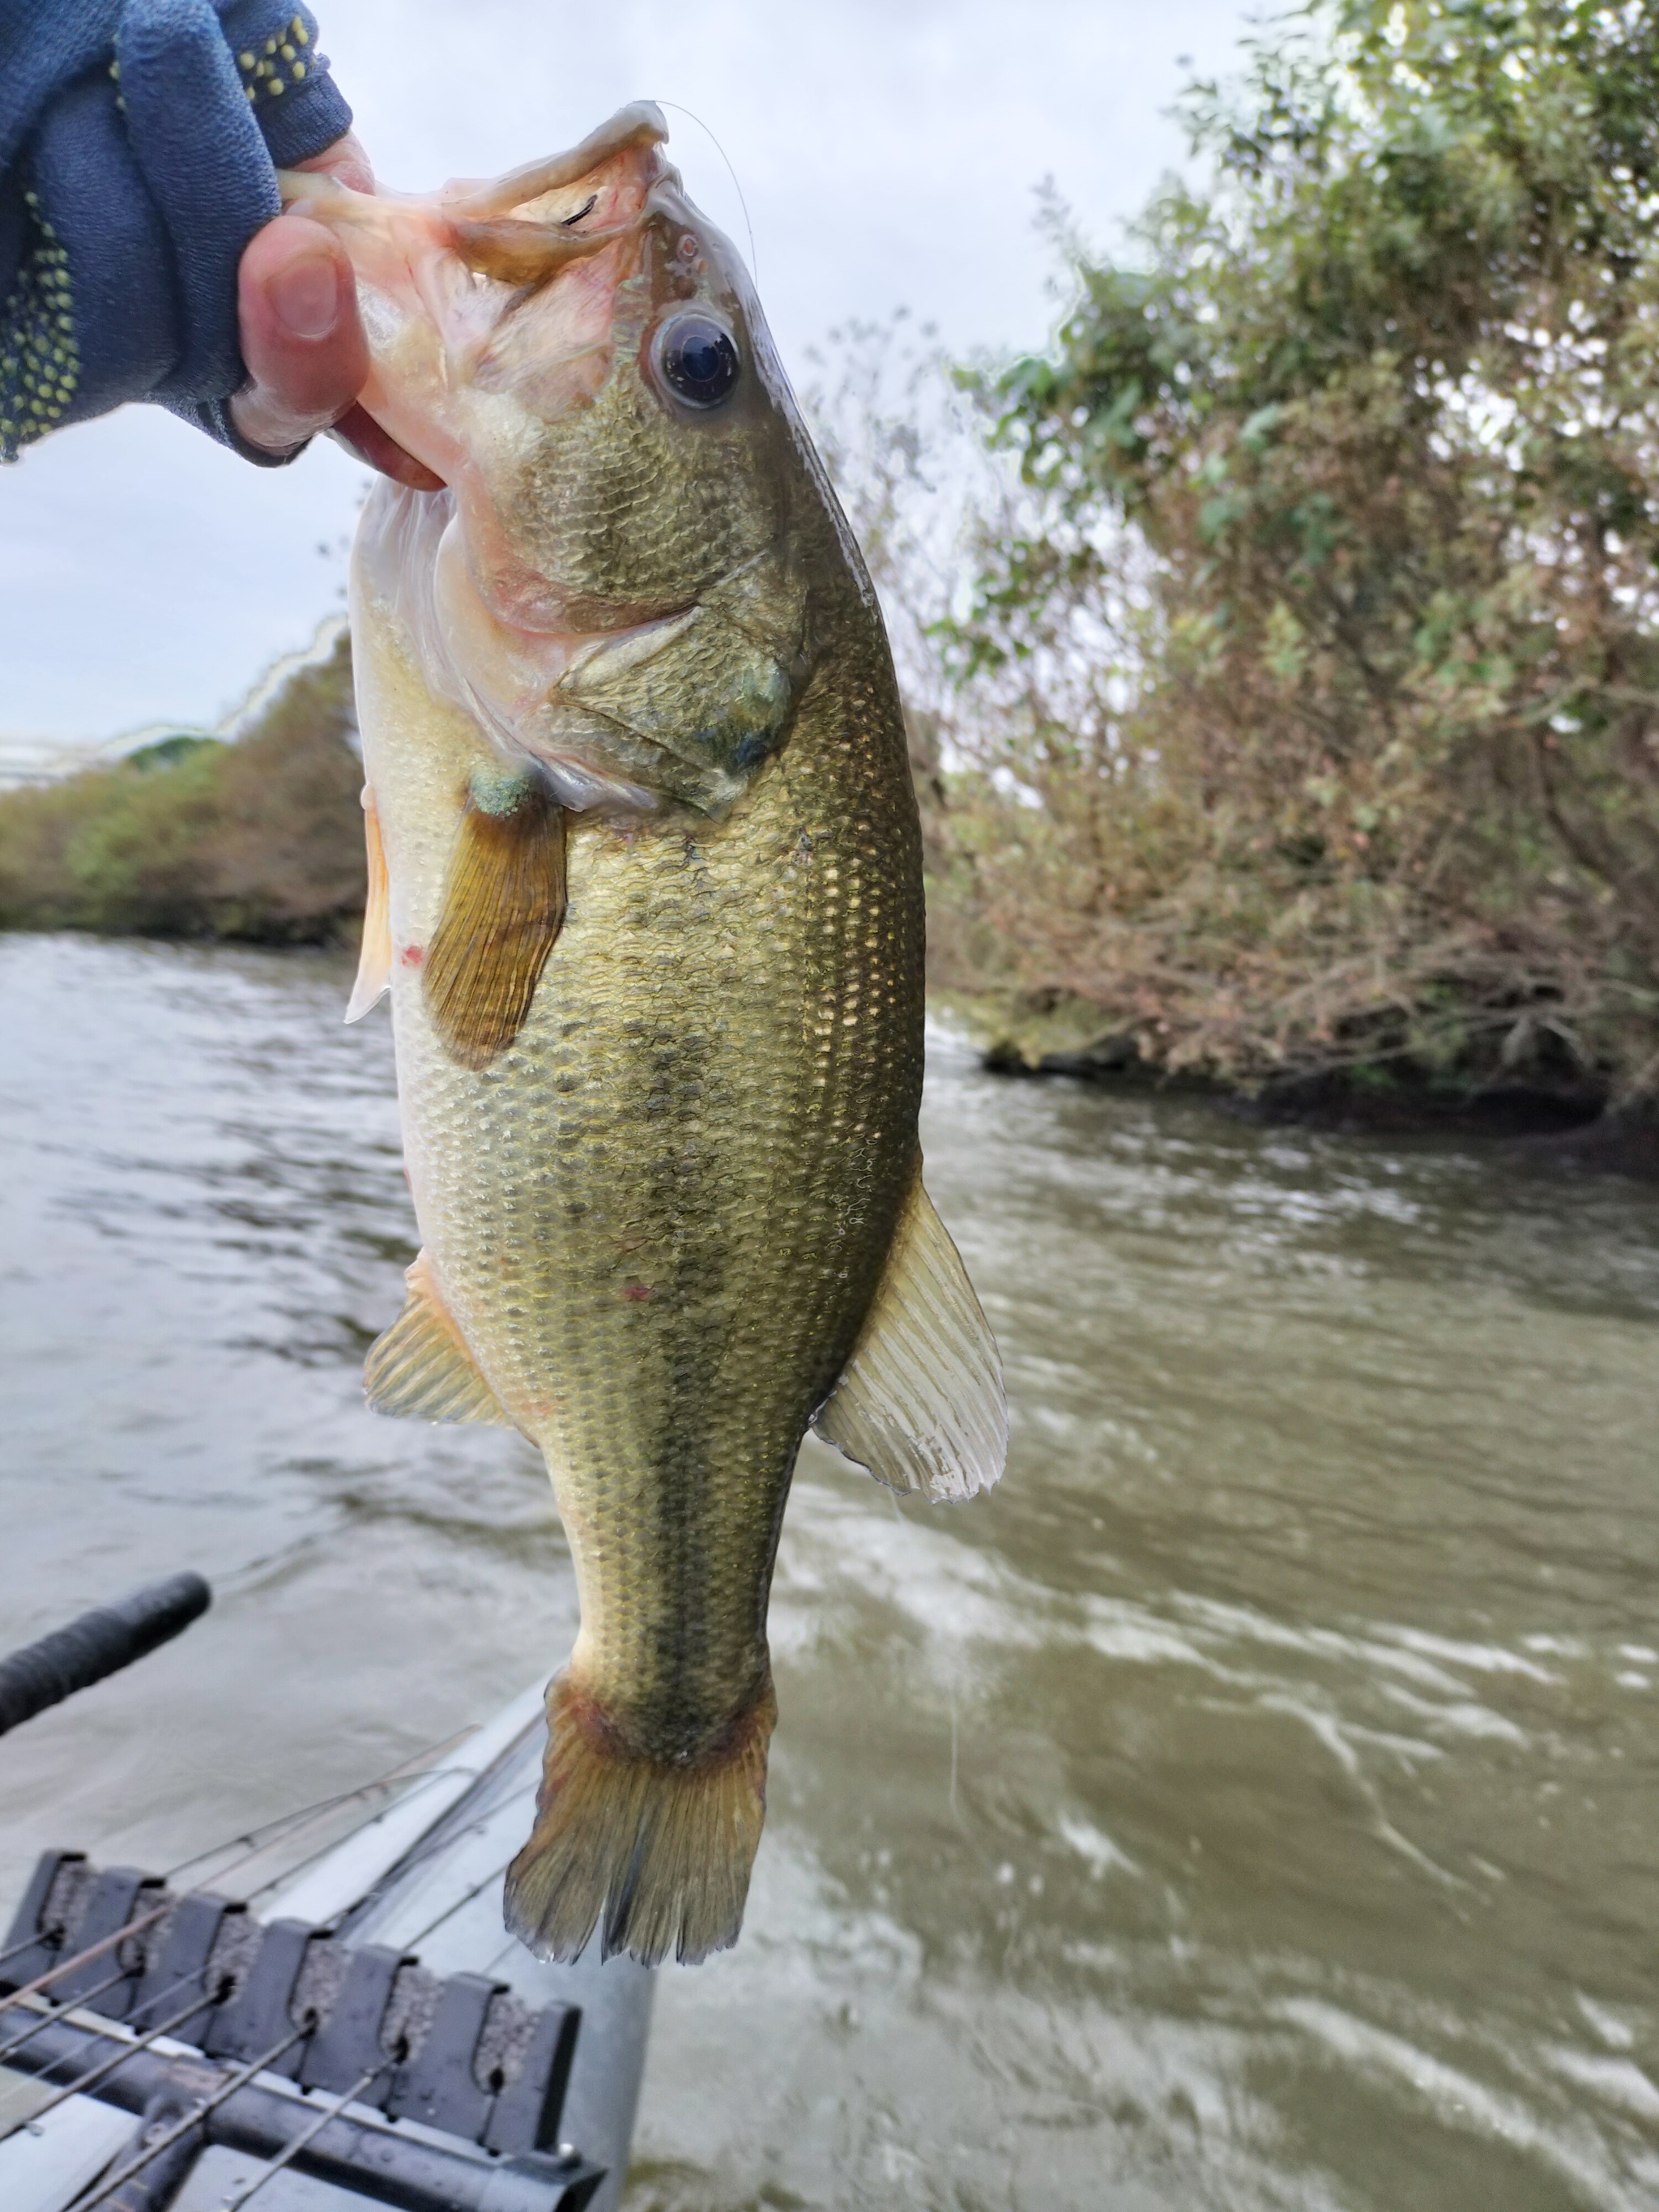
(1329, 648)
(262, 839)
(167, 752)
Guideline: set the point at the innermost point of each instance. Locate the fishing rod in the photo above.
(292, 2149)
(57, 2011)
(103, 2068)
(261, 1838)
(88, 1649)
(462, 1900)
(289, 1874)
(85, 1958)
(285, 1826)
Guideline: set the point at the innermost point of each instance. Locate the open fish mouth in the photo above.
(505, 230)
(564, 348)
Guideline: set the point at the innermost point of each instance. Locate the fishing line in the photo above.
(465, 1899)
(955, 1814)
(291, 2150)
(57, 2012)
(286, 1824)
(29, 1943)
(293, 1873)
(505, 1952)
(400, 1871)
(438, 1839)
(754, 261)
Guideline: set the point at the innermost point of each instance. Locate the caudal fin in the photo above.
(657, 1849)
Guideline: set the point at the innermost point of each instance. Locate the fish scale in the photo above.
(792, 1061)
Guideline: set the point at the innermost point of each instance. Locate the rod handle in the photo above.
(98, 1643)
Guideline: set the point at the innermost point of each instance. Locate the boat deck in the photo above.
(91, 2056)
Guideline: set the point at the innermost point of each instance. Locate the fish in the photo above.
(645, 888)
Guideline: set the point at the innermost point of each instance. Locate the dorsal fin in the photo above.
(374, 958)
(503, 908)
(921, 1401)
(422, 1367)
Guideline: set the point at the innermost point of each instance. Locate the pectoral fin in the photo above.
(422, 1367)
(375, 960)
(503, 908)
(921, 1401)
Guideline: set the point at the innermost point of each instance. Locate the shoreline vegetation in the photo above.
(1295, 727)
(259, 841)
(1281, 647)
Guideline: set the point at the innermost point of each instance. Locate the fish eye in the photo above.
(697, 359)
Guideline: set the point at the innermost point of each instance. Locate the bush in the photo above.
(1310, 717)
(262, 839)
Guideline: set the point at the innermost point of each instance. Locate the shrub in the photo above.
(1310, 714)
(262, 839)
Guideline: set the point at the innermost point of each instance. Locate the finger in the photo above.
(357, 430)
(346, 161)
(302, 338)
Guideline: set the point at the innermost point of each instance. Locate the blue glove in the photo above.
(139, 142)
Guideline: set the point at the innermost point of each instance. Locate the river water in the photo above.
(1254, 1803)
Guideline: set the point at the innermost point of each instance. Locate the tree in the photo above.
(1330, 647)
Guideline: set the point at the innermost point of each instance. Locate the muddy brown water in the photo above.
(1253, 1804)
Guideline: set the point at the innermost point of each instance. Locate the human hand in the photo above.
(302, 337)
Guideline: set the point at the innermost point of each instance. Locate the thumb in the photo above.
(302, 339)
(303, 343)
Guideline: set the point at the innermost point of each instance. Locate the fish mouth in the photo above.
(495, 233)
(639, 125)
(457, 268)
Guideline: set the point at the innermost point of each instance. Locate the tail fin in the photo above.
(661, 1849)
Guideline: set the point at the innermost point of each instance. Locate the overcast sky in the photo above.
(889, 152)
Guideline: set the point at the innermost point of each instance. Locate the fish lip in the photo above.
(640, 124)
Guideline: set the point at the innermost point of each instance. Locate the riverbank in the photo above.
(1568, 1122)
(260, 841)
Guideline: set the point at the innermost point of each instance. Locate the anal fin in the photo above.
(921, 1402)
(374, 959)
(422, 1367)
(503, 907)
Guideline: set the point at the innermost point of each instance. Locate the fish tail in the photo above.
(658, 1850)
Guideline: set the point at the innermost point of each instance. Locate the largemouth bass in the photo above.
(646, 885)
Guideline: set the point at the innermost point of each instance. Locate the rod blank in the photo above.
(100, 1643)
